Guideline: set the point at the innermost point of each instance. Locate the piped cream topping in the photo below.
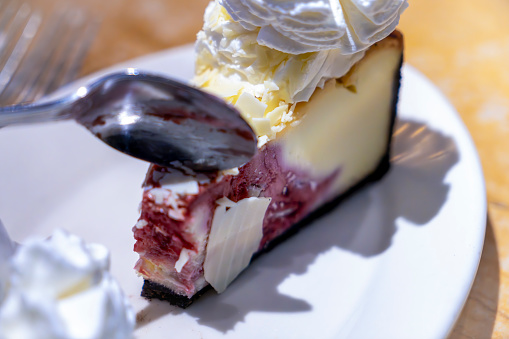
(304, 26)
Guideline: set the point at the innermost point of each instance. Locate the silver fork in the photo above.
(40, 52)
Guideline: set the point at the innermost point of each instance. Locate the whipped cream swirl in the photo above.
(303, 26)
(61, 288)
(229, 48)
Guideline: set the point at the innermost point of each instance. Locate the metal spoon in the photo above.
(151, 118)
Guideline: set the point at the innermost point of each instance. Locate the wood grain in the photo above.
(463, 47)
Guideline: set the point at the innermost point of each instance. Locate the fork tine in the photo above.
(8, 11)
(13, 22)
(18, 36)
(53, 58)
(82, 33)
(46, 55)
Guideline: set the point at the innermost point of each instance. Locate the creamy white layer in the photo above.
(345, 125)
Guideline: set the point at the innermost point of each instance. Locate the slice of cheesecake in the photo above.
(198, 230)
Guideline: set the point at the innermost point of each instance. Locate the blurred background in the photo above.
(462, 46)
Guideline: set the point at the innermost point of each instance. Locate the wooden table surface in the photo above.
(461, 45)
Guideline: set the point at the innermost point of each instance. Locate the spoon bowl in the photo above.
(152, 118)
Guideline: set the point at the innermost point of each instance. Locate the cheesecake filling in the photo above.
(231, 218)
(357, 131)
(342, 137)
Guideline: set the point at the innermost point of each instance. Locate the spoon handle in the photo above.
(35, 113)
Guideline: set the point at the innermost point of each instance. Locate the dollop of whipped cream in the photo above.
(301, 26)
(61, 288)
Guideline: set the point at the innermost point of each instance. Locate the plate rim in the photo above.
(465, 136)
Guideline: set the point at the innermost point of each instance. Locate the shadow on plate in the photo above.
(364, 224)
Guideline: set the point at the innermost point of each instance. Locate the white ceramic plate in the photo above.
(397, 260)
